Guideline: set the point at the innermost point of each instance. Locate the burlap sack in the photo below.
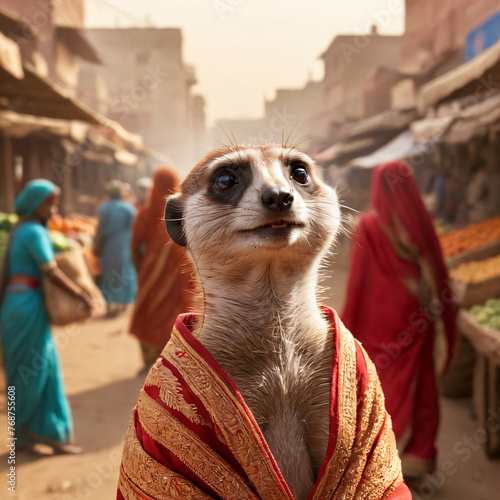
(64, 308)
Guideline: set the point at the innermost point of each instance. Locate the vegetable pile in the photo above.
(473, 236)
(477, 271)
(73, 224)
(488, 314)
(59, 242)
(7, 222)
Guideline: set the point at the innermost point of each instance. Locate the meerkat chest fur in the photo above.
(257, 222)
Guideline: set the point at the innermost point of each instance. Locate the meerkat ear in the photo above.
(174, 220)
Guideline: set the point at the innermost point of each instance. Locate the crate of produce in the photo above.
(475, 282)
(481, 325)
(474, 242)
(479, 253)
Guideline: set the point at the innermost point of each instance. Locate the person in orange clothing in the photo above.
(165, 289)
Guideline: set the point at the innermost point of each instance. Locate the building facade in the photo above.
(145, 85)
(58, 45)
(348, 61)
(436, 31)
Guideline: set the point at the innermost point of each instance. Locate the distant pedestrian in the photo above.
(164, 271)
(399, 305)
(142, 191)
(118, 277)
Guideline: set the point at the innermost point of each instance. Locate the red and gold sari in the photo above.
(192, 436)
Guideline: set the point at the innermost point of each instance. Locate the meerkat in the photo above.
(257, 223)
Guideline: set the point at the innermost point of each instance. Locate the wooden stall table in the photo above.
(486, 342)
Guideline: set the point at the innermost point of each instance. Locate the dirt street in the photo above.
(101, 363)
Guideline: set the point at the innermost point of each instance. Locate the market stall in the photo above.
(65, 233)
(473, 257)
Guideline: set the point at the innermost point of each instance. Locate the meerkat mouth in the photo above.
(276, 224)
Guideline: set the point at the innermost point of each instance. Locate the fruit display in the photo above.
(4, 238)
(477, 271)
(73, 224)
(7, 221)
(92, 262)
(81, 229)
(473, 236)
(488, 315)
(72, 229)
(60, 243)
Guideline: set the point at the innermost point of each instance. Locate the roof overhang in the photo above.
(431, 129)
(10, 58)
(400, 148)
(36, 95)
(76, 42)
(14, 26)
(475, 120)
(391, 121)
(476, 77)
(21, 125)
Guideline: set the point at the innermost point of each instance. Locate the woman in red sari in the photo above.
(399, 305)
(163, 269)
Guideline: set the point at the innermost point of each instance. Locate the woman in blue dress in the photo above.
(118, 276)
(42, 413)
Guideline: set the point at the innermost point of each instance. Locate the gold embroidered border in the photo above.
(171, 394)
(191, 450)
(151, 477)
(129, 490)
(331, 485)
(226, 411)
(125, 488)
(371, 415)
(383, 470)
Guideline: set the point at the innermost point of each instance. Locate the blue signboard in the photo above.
(483, 37)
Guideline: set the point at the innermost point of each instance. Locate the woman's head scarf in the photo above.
(165, 183)
(33, 195)
(394, 192)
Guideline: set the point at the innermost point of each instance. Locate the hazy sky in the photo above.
(244, 49)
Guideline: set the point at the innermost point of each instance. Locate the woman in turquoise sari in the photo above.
(42, 413)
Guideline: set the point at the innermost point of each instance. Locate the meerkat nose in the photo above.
(277, 198)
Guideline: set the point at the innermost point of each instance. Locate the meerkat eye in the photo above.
(225, 181)
(299, 174)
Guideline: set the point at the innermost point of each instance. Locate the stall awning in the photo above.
(10, 58)
(391, 121)
(327, 154)
(476, 77)
(475, 120)
(20, 125)
(352, 147)
(403, 146)
(431, 129)
(36, 95)
(344, 151)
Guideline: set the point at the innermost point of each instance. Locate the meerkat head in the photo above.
(247, 202)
